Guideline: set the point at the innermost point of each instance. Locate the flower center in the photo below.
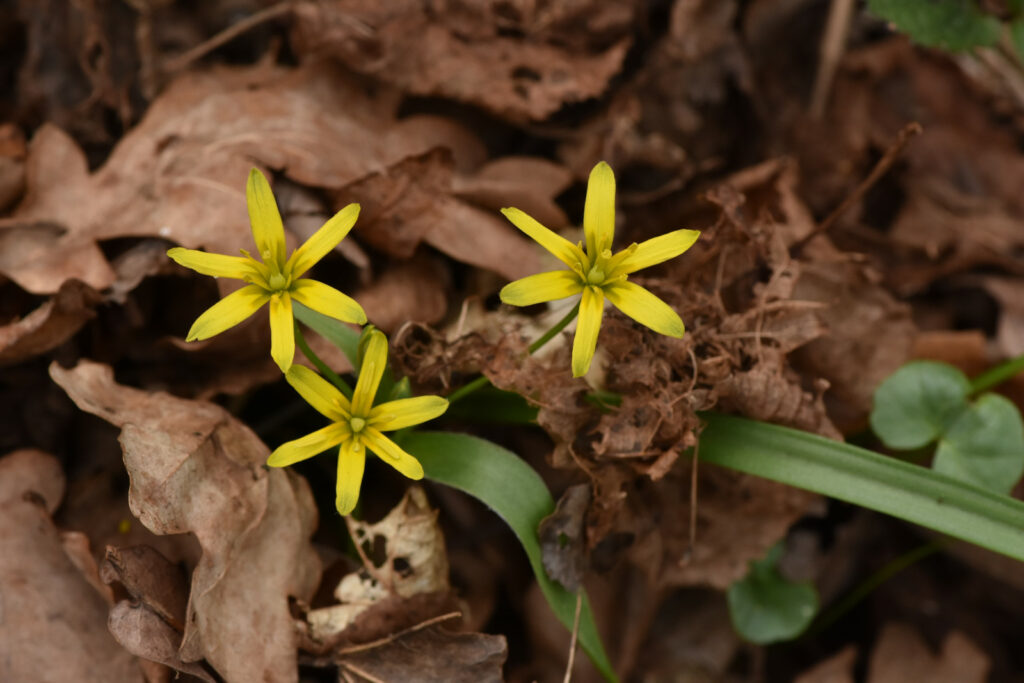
(595, 276)
(277, 281)
(356, 424)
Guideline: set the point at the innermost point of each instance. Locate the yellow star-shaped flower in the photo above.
(357, 425)
(596, 272)
(276, 279)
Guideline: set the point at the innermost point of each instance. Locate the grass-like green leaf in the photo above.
(868, 479)
(506, 484)
(334, 331)
(766, 608)
(985, 445)
(916, 404)
(950, 24)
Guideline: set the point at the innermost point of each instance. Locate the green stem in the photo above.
(481, 382)
(335, 378)
(866, 587)
(559, 326)
(997, 375)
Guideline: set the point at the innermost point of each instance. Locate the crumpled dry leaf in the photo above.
(474, 61)
(404, 557)
(140, 631)
(429, 654)
(12, 164)
(194, 468)
(901, 654)
(563, 538)
(50, 325)
(836, 669)
(54, 622)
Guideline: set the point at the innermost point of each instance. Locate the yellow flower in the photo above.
(275, 279)
(358, 424)
(596, 272)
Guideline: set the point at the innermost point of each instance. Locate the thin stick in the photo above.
(226, 36)
(335, 378)
(905, 135)
(575, 636)
(833, 44)
(693, 501)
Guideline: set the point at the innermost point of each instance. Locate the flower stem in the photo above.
(997, 375)
(481, 381)
(335, 378)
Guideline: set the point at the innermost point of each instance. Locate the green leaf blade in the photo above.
(868, 479)
(334, 331)
(953, 25)
(985, 445)
(916, 404)
(506, 484)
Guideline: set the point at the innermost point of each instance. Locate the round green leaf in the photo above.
(984, 445)
(916, 404)
(766, 608)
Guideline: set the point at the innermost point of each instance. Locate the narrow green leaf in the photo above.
(950, 24)
(985, 445)
(916, 404)
(334, 331)
(506, 484)
(868, 479)
(490, 404)
(766, 608)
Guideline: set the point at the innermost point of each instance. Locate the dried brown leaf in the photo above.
(902, 655)
(50, 325)
(194, 468)
(149, 578)
(520, 79)
(431, 654)
(54, 621)
(143, 633)
(563, 538)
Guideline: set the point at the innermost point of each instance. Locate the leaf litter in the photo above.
(204, 562)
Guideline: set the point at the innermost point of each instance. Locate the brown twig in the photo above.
(833, 44)
(906, 134)
(227, 35)
(575, 637)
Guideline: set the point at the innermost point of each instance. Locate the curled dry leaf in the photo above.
(404, 558)
(563, 539)
(50, 325)
(54, 622)
(430, 654)
(12, 164)
(517, 78)
(143, 633)
(194, 468)
(901, 654)
(150, 578)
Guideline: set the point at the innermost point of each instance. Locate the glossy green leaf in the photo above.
(950, 24)
(338, 333)
(916, 404)
(868, 479)
(489, 404)
(766, 608)
(506, 484)
(984, 445)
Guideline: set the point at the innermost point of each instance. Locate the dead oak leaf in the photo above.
(520, 79)
(54, 622)
(194, 468)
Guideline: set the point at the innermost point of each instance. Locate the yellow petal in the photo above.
(318, 392)
(599, 210)
(656, 250)
(267, 229)
(216, 265)
(228, 312)
(389, 452)
(406, 412)
(564, 250)
(282, 331)
(375, 359)
(323, 240)
(645, 308)
(587, 327)
(541, 287)
(351, 463)
(329, 301)
(308, 446)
